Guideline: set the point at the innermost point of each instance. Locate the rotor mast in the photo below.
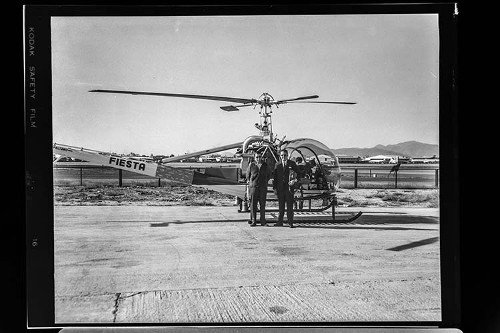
(265, 127)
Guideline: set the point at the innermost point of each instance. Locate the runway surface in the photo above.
(153, 264)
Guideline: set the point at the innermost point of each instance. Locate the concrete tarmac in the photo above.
(151, 264)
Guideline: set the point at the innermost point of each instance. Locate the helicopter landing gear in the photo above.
(313, 216)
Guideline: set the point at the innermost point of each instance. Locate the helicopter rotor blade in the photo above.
(230, 108)
(319, 102)
(214, 98)
(283, 101)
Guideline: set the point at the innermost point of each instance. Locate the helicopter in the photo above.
(319, 182)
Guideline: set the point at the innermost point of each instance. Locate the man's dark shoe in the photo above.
(253, 224)
(279, 224)
(291, 225)
(263, 223)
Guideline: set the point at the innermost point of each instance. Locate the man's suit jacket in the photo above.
(281, 175)
(258, 177)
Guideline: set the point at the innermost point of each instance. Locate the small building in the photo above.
(208, 158)
(141, 158)
(325, 159)
(349, 159)
(403, 159)
(387, 159)
(425, 160)
(380, 159)
(189, 160)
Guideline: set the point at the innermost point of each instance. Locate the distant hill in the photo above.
(408, 148)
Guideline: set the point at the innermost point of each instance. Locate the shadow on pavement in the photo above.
(355, 227)
(379, 222)
(166, 224)
(374, 222)
(414, 244)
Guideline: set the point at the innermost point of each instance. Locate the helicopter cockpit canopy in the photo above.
(316, 153)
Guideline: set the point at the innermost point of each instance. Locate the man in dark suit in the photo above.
(281, 187)
(258, 175)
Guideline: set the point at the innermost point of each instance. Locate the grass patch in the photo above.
(199, 203)
(109, 194)
(195, 196)
(428, 197)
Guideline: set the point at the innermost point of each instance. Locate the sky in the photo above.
(387, 64)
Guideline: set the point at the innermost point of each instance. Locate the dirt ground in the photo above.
(194, 196)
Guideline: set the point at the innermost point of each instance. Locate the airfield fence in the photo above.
(409, 176)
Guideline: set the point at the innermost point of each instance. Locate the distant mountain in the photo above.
(363, 152)
(408, 148)
(415, 149)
